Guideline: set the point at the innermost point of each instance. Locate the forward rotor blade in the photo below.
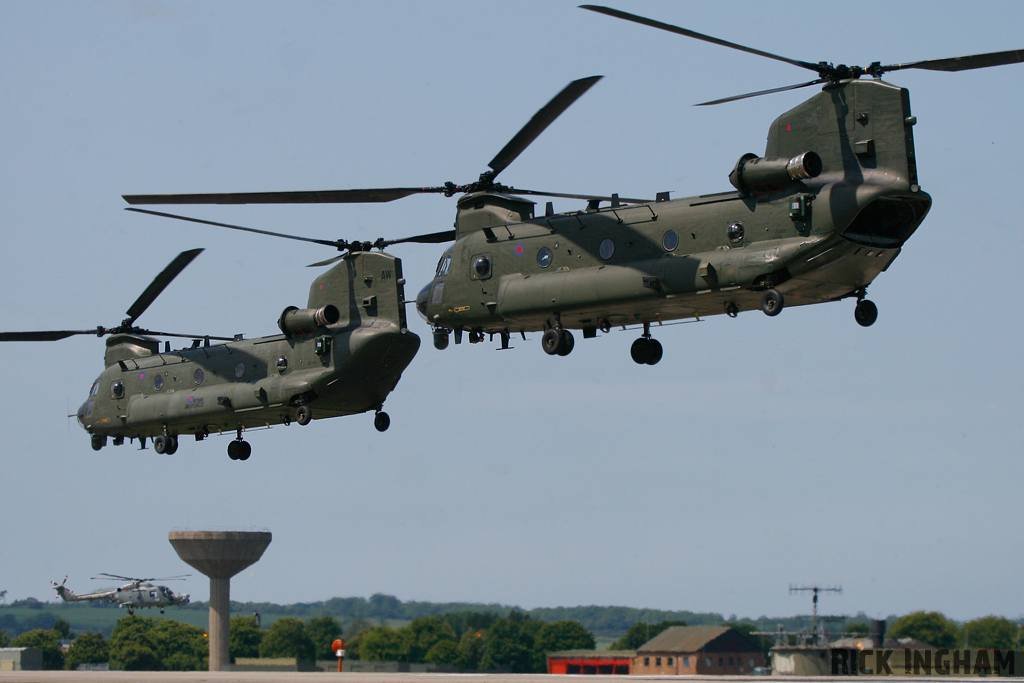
(431, 238)
(52, 335)
(763, 92)
(618, 14)
(588, 197)
(314, 197)
(963, 63)
(328, 243)
(160, 283)
(540, 121)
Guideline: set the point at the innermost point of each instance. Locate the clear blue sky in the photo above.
(759, 453)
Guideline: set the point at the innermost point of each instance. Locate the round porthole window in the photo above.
(198, 376)
(282, 364)
(735, 232)
(544, 257)
(158, 382)
(670, 240)
(607, 249)
(482, 267)
(240, 371)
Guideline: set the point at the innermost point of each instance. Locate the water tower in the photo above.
(220, 555)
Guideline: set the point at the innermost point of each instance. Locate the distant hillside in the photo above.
(604, 622)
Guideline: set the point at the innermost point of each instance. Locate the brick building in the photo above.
(705, 650)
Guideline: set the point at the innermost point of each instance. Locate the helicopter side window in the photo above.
(607, 249)
(443, 265)
(670, 240)
(158, 382)
(198, 376)
(544, 257)
(735, 232)
(481, 267)
(437, 293)
(117, 389)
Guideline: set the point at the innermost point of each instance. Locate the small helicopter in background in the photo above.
(341, 355)
(815, 219)
(132, 595)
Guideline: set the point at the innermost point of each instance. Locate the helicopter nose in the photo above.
(81, 414)
(421, 302)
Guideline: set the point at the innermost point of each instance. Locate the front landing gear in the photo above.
(239, 449)
(646, 350)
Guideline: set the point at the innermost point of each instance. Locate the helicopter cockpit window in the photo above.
(95, 388)
(437, 293)
(198, 376)
(544, 257)
(607, 249)
(444, 264)
(117, 389)
(670, 240)
(735, 232)
(481, 267)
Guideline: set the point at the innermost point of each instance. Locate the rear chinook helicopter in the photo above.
(132, 595)
(341, 355)
(816, 218)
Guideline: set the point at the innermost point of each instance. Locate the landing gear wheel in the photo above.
(772, 302)
(732, 310)
(551, 342)
(98, 442)
(568, 343)
(381, 421)
(641, 351)
(303, 415)
(656, 352)
(441, 339)
(172, 445)
(160, 444)
(866, 313)
(239, 450)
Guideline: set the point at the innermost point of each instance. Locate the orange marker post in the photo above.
(339, 651)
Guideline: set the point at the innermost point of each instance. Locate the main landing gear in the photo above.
(557, 342)
(165, 444)
(866, 313)
(381, 420)
(646, 350)
(772, 302)
(239, 449)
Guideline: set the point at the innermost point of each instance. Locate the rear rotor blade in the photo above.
(618, 14)
(314, 197)
(328, 243)
(431, 238)
(762, 92)
(540, 121)
(52, 335)
(160, 283)
(963, 63)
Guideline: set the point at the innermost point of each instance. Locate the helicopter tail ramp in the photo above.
(368, 290)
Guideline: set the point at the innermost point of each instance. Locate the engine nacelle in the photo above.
(761, 175)
(299, 321)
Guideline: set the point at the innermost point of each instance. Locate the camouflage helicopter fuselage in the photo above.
(818, 217)
(341, 355)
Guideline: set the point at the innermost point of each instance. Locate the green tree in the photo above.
(45, 642)
(990, 632)
(287, 637)
(443, 652)
(323, 631)
(564, 635)
(511, 644)
(63, 630)
(859, 628)
(180, 647)
(88, 648)
(132, 646)
(640, 632)
(245, 637)
(471, 649)
(4, 640)
(421, 635)
(380, 644)
(929, 627)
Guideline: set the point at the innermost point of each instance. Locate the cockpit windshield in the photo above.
(444, 264)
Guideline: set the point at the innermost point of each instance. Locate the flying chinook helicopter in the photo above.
(341, 355)
(132, 595)
(816, 218)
